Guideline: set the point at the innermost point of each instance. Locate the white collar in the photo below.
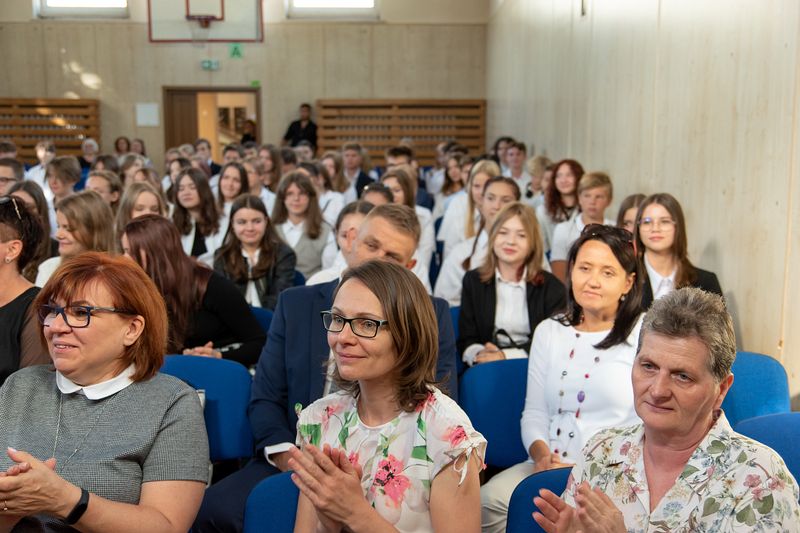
(521, 283)
(98, 391)
(289, 225)
(655, 278)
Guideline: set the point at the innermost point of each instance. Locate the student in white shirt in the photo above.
(595, 193)
(270, 156)
(498, 192)
(461, 220)
(298, 220)
(257, 177)
(196, 216)
(174, 169)
(509, 294)
(454, 183)
(233, 182)
(560, 199)
(499, 151)
(45, 152)
(661, 236)
(533, 194)
(515, 157)
(332, 162)
(330, 201)
(404, 192)
(62, 174)
(139, 199)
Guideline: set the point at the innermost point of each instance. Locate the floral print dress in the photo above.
(730, 484)
(401, 458)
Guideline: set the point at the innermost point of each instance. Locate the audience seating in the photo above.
(521, 507)
(272, 506)
(299, 279)
(493, 395)
(227, 387)
(781, 432)
(760, 387)
(264, 317)
(460, 366)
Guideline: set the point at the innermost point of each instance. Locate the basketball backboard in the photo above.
(175, 21)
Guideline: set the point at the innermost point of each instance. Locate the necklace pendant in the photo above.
(578, 413)
(572, 353)
(581, 396)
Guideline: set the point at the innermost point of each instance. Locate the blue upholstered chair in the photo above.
(227, 390)
(781, 432)
(272, 506)
(759, 388)
(264, 317)
(521, 507)
(493, 395)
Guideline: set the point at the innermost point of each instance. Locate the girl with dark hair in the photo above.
(560, 198)
(32, 196)
(207, 314)
(21, 232)
(270, 155)
(454, 180)
(196, 215)
(331, 202)
(233, 182)
(662, 244)
(580, 363)
(419, 453)
(628, 209)
(106, 162)
(122, 147)
(404, 191)
(504, 299)
(253, 257)
(298, 220)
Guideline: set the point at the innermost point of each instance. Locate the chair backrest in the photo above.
(264, 317)
(493, 395)
(521, 506)
(454, 312)
(299, 279)
(272, 505)
(759, 388)
(781, 432)
(227, 387)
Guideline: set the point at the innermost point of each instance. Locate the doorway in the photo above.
(223, 115)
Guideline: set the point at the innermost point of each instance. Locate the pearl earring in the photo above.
(622, 298)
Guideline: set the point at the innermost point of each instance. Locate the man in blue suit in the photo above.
(292, 369)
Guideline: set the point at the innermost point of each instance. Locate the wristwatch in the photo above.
(79, 509)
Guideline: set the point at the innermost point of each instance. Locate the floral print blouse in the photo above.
(730, 484)
(401, 458)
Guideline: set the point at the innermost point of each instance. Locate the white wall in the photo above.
(698, 99)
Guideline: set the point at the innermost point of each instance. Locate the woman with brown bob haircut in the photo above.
(419, 453)
(118, 437)
(207, 314)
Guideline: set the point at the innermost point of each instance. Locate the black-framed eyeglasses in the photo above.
(6, 199)
(361, 327)
(601, 229)
(75, 316)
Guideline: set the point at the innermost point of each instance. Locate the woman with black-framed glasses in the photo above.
(20, 234)
(580, 363)
(99, 440)
(661, 240)
(388, 451)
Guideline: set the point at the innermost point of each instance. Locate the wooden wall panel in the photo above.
(693, 98)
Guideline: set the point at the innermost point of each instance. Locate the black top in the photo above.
(199, 243)
(225, 319)
(705, 280)
(12, 320)
(362, 180)
(297, 133)
(479, 301)
(279, 277)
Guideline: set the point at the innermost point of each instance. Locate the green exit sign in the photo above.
(209, 64)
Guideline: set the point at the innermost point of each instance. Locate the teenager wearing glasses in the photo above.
(388, 451)
(580, 364)
(662, 244)
(20, 235)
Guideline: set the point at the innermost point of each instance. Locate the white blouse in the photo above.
(561, 357)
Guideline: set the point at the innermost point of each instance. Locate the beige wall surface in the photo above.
(113, 61)
(698, 99)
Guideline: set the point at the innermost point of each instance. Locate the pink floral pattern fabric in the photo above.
(730, 484)
(401, 458)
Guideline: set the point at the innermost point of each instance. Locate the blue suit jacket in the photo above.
(291, 367)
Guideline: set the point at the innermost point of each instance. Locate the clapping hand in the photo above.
(206, 350)
(490, 353)
(594, 512)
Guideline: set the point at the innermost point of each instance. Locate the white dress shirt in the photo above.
(454, 223)
(427, 239)
(451, 277)
(568, 232)
(331, 204)
(660, 285)
(292, 232)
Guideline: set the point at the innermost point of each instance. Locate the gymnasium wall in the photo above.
(406, 55)
(694, 98)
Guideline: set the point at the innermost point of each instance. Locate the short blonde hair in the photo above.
(91, 220)
(594, 180)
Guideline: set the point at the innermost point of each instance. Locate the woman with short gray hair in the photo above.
(683, 468)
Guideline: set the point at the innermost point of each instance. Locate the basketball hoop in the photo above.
(202, 29)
